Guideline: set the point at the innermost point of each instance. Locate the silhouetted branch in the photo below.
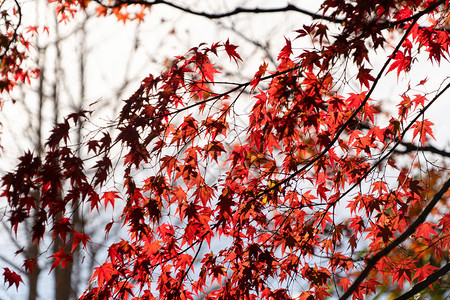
(236, 11)
(426, 282)
(256, 10)
(414, 148)
(371, 263)
(14, 36)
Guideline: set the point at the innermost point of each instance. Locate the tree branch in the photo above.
(413, 148)
(426, 282)
(11, 264)
(256, 10)
(14, 36)
(236, 11)
(385, 251)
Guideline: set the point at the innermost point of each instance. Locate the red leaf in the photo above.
(345, 283)
(286, 51)
(423, 128)
(60, 132)
(29, 264)
(102, 170)
(231, 51)
(401, 274)
(425, 230)
(61, 228)
(355, 100)
(108, 227)
(79, 238)
(419, 100)
(423, 272)
(401, 63)
(208, 70)
(62, 258)
(103, 273)
(258, 75)
(32, 29)
(11, 278)
(110, 198)
(364, 77)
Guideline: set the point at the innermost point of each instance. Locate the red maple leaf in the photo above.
(78, 238)
(231, 51)
(29, 264)
(11, 278)
(110, 198)
(425, 230)
(423, 128)
(424, 271)
(401, 63)
(364, 77)
(61, 258)
(59, 132)
(286, 51)
(208, 70)
(103, 273)
(257, 77)
(401, 274)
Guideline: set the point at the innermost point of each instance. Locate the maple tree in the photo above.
(317, 190)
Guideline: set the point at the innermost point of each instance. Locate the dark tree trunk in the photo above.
(33, 277)
(63, 287)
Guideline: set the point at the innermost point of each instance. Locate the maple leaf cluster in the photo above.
(14, 48)
(302, 207)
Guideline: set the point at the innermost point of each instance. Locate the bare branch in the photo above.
(11, 264)
(255, 43)
(236, 11)
(414, 148)
(14, 36)
(255, 10)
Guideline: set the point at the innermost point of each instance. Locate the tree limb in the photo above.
(385, 251)
(14, 36)
(12, 264)
(255, 10)
(413, 148)
(236, 11)
(426, 282)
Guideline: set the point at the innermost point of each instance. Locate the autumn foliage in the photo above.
(308, 194)
(14, 46)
